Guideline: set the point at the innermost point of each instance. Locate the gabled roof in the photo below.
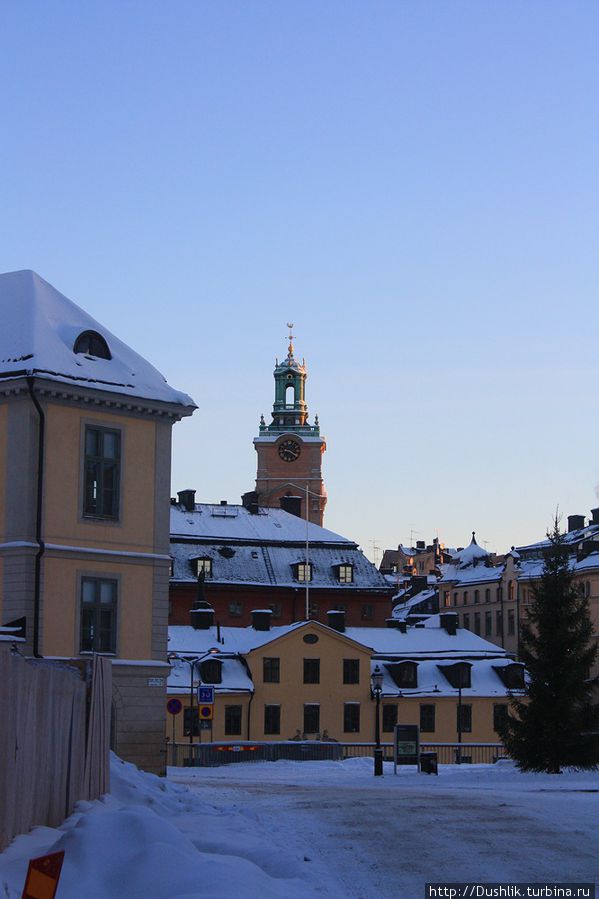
(40, 328)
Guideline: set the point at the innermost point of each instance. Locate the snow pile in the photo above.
(151, 839)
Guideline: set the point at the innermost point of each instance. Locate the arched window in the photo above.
(90, 343)
(511, 590)
(290, 395)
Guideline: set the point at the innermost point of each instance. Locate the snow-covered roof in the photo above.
(478, 574)
(402, 610)
(235, 678)
(427, 641)
(235, 522)
(40, 328)
(8, 635)
(185, 639)
(431, 680)
(262, 549)
(471, 555)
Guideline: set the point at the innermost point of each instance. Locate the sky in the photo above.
(413, 184)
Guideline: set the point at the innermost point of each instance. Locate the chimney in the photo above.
(187, 499)
(223, 502)
(595, 514)
(201, 619)
(576, 522)
(449, 620)
(402, 627)
(261, 619)
(336, 620)
(420, 544)
(250, 502)
(392, 622)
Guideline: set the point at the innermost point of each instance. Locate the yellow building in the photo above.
(313, 681)
(85, 449)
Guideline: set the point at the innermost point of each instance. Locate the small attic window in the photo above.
(90, 343)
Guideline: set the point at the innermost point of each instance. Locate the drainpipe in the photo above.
(38, 521)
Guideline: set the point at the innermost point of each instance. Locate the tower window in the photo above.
(290, 395)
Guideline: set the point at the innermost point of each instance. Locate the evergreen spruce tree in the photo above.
(557, 723)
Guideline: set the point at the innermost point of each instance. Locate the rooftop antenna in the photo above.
(412, 532)
(375, 550)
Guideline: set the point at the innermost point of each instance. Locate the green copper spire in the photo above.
(290, 411)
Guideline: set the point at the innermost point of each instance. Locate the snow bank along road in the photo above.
(317, 829)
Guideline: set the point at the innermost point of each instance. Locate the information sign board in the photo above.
(406, 745)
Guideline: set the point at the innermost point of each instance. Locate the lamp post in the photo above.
(377, 689)
(173, 656)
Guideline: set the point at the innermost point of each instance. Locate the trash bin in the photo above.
(428, 763)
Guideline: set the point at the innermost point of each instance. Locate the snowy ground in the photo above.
(317, 829)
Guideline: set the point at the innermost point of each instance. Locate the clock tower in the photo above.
(289, 449)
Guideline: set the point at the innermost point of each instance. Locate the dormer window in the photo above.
(512, 676)
(203, 566)
(303, 571)
(345, 574)
(90, 343)
(404, 674)
(211, 671)
(459, 674)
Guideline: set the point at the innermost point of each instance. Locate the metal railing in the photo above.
(228, 752)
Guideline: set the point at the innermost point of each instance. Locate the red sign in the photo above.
(42, 876)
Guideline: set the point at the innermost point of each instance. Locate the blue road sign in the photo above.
(205, 695)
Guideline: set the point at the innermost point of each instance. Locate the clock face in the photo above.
(289, 450)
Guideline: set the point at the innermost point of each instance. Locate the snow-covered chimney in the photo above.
(201, 619)
(187, 499)
(576, 522)
(449, 620)
(392, 622)
(336, 620)
(261, 619)
(595, 514)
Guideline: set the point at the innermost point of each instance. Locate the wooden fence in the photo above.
(54, 738)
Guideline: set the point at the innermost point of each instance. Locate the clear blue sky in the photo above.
(414, 184)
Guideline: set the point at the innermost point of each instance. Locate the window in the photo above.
(311, 718)
(488, 624)
(275, 608)
(465, 600)
(313, 610)
(211, 671)
(404, 674)
(498, 623)
(455, 599)
(467, 622)
(203, 566)
(235, 609)
(272, 719)
(477, 623)
(98, 614)
(351, 717)
(367, 612)
(311, 671)
(303, 571)
(511, 621)
(345, 574)
(190, 715)
(351, 671)
(90, 343)
(476, 595)
(232, 720)
(102, 473)
(427, 719)
(464, 718)
(271, 670)
(499, 717)
(446, 598)
(511, 590)
(389, 718)
(499, 594)
(487, 595)
(458, 674)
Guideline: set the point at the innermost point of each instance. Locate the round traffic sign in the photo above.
(206, 712)
(174, 706)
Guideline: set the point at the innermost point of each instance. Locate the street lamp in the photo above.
(377, 689)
